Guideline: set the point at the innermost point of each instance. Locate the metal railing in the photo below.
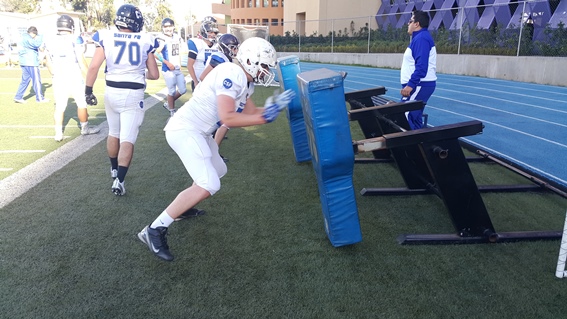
(531, 34)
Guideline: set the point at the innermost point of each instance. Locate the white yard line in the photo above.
(21, 181)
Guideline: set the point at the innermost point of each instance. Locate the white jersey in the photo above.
(126, 54)
(201, 111)
(171, 50)
(200, 48)
(65, 51)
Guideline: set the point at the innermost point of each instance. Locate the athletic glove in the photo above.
(283, 99)
(275, 104)
(89, 96)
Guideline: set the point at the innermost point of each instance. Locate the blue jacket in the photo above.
(29, 50)
(420, 60)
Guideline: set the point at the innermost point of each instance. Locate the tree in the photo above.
(154, 11)
(21, 6)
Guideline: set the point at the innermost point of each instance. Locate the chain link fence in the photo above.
(527, 28)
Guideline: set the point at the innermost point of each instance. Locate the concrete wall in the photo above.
(542, 70)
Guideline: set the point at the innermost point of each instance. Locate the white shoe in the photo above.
(118, 188)
(113, 173)
(58, 136)
(88, 130)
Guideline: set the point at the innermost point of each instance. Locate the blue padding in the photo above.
(287, 70)
(328, 133)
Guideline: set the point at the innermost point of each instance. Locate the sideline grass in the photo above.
(26, 130)
(68, 247)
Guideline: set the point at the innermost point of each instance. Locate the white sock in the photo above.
(84, 124)
(58, 129)
(163, 220)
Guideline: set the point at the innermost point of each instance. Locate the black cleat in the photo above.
(156, 240)
(193, 212)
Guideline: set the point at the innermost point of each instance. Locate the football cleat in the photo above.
(156, 240)
(113, 173)
(118, 188)
(193, 212)
(88, 130)
(58, 136)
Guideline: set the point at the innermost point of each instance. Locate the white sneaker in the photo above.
(166, 106)
(58, 136)
(113, 173)
(88, 130)
(118, 188)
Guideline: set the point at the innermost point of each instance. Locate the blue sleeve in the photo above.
(420, 49)
(191, 45)
(216, 60)
(97, 40)
(79, 40)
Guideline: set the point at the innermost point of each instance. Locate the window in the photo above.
(266, 4)
(265, 21)
(274, 3)
(257, 3)
(274, 22)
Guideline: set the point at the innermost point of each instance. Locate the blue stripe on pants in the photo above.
(415, 118)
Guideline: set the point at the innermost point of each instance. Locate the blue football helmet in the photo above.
(129, 17)
(228, 44)
(208, 25)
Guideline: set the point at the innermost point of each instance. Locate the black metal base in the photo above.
(449, 239)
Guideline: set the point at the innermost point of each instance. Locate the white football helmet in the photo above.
(258, 56)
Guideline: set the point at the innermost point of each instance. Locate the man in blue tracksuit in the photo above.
(29, 62)
(418, 75)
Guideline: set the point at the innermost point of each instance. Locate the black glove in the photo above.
(89, 96)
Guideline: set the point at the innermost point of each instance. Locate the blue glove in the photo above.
(271, 110)
(283, 99)
(276, 103)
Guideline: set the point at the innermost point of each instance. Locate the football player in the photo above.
(189, 131)
(130, 60)
(200, 48)
(168, 54)
(228, 48)
(67, 64)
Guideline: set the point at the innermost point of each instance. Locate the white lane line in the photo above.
(501, 126)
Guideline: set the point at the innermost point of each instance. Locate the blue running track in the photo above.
(525, 123)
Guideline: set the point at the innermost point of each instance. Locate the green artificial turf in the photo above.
(68, 247)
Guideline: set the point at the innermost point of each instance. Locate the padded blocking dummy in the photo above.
(288, 69)
(328, 133)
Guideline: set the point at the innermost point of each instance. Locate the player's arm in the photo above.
(206, 71)
(96, 62)
(231, 118)
(79, 53)
(160, 56)
(49, 63)
(191, 58)
(251, 108)
(151, 65)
